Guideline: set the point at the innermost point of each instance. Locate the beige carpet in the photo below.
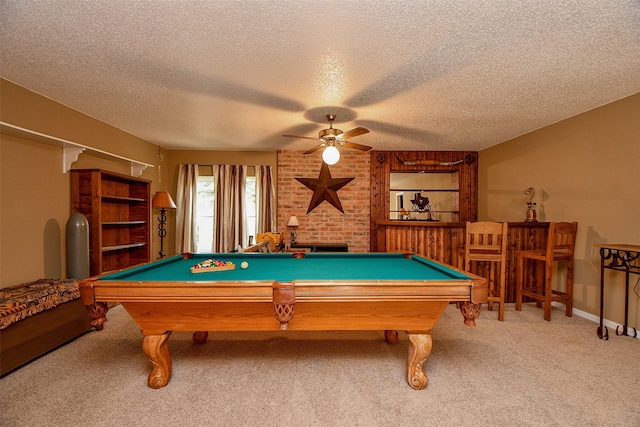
(523, 372)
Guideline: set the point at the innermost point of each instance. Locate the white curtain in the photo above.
(265, 200)
(186, 201)
(230, 209)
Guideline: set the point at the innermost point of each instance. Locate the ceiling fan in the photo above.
(332, 138)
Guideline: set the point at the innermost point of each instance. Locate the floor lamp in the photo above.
(162, 201)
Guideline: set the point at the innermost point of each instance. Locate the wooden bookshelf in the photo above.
(118, 208)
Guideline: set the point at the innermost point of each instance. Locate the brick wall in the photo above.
(325, 224)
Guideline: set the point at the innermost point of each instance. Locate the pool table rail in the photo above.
(473, 291)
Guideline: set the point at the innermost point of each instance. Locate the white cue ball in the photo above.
(244, 265)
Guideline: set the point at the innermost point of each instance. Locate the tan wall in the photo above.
(34, 191)
(326, 224)
(584, 169)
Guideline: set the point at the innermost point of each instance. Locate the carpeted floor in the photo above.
(524, 372)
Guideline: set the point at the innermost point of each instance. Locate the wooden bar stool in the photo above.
(486, 247)
(560, 246)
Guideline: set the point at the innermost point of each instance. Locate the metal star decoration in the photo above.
(325, 188)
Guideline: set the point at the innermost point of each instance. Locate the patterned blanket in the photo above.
(21, 301)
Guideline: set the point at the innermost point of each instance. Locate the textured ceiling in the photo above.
(420, 75)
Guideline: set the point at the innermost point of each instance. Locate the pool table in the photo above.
(312, 291)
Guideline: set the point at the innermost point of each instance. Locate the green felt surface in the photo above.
(284, 268)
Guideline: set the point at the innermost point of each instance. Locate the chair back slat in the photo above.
(485, 236)
(562, 238)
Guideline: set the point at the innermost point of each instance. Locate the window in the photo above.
(251, 220)
(205, 211)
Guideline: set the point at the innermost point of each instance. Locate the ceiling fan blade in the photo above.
(303, 137)
(314, 149)
(353, 132)
(356, 146)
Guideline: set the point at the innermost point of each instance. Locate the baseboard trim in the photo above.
(595, 319)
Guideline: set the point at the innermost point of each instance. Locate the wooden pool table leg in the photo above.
(470, 311)
(156, 347)
(419, 350)
(98, 313)
(391, 336)
(200, 337)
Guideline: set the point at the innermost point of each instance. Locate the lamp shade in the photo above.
(163, 200)
(293, 222)
(331, 155)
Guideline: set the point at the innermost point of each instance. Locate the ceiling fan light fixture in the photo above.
(335, 137)
(329, 133)
(331, 155)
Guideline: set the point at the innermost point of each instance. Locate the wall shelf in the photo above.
(121, 247)
(440, 190)
(428, 190)
(70, 150)
(122, 199)
(123, 223)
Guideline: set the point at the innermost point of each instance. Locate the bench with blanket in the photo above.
(37, 317)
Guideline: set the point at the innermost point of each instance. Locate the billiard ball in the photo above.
(244, 265)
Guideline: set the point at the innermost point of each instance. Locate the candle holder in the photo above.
(162, 201)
